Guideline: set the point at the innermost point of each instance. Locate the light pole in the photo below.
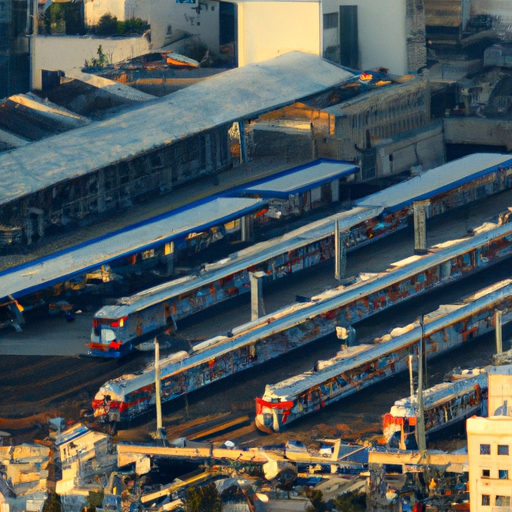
(33, 36)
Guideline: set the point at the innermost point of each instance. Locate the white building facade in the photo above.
(490, 447)
(490, 463)
(360, 34)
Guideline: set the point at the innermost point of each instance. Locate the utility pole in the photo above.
(499, 339)
(32, 47)
(158, 393)
(340, 252)
(424, 352)
(420, 428)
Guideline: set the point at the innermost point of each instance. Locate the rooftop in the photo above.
(237, 94)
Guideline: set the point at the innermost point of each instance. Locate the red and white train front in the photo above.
(107, 337)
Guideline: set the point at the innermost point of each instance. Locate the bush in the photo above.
(351, 502)
(203, 499)
(132, 26)
(101, 61)
(52, 503)
(317, 500)
(107, 25)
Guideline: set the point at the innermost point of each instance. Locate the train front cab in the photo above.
(106, 338)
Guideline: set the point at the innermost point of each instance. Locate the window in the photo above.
(503, 501)
(486, 473)
(486, 500)
(485, 449)
(331, 20)
(502, 449)
(503, 474)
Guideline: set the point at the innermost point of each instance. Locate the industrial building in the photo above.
(77, 177)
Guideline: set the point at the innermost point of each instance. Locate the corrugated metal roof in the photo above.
(436, 181)
(302, 178)
(236, 94)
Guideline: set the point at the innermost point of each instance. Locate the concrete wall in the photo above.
(269, 29)
(95, 9)
(67, 52)
(121, 9)
(496, 7)
(500, 392)
(475, 130)
(423, 147)
(499, 10)
(169, 19)
(493, 431)
(382, 32)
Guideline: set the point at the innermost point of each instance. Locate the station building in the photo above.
(77, 177)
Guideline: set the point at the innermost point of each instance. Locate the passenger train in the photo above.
(301, 323)
(118, 328)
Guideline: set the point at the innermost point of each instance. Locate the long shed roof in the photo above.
(301, 178)
(436, 181)
(241, 93)
(55, 268)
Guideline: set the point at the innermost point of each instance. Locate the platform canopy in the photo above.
(46, 272)
(436, 181)
(302, 178)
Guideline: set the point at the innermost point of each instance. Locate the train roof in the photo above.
(436, 181)
(238, 261)
(291, 181)
(55, 268)
(355, 356)
(297, 313)
(437, 395)
(259, 252)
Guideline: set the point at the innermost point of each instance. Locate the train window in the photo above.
(107, 335)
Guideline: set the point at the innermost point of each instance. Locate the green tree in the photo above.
(53, 19)
(95, 499)
(52, 503)
(351, 502)
(62, 18)
(317, 500)
(107, 25)
(132, 26)
(203, 499)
